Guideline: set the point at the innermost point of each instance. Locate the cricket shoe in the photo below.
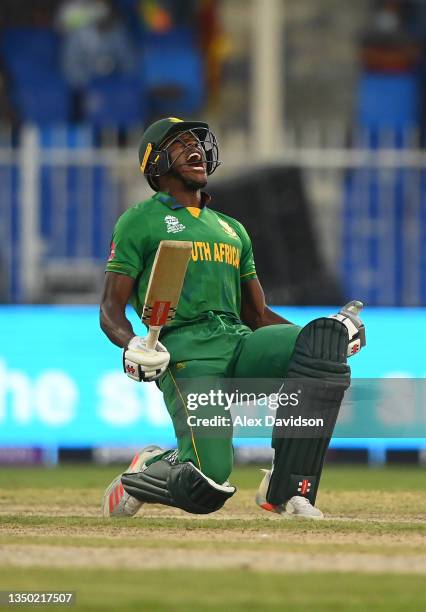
(296, 507)
(116, 501)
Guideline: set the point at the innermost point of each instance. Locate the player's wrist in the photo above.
(128, 340)
(132, 341)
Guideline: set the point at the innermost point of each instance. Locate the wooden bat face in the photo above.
(165, 282)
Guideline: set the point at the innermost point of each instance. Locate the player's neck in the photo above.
(185, 196)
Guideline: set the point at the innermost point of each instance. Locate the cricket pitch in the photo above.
(369, 552)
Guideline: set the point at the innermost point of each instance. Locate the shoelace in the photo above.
(305, 501)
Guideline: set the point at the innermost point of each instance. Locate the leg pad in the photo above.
(318, 368)
(180, 485)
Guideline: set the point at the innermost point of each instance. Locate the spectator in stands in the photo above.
(76, 14)
(95, 44)
(388, 46)
(162, 15)
(214, 45)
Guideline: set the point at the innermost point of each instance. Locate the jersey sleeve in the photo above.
(247, 265)
(128, 244)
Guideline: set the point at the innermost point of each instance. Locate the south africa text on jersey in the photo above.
(216, 251)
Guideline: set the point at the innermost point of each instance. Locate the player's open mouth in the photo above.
(193, 158)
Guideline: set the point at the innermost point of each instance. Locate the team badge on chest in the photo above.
(173, 224)
(228, 229)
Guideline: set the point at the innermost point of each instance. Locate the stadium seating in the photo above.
(170, 75)
(176, 37)
(75, 200)
(388, 100)
(39, 90)
(67, 135)
(376, 210)
(37, 46)
(46, 102)
(115, 100)
(172, 70)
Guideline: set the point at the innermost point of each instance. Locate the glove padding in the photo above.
(348, 315)
(143, 364)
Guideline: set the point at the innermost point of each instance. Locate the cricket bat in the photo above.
(165, 286)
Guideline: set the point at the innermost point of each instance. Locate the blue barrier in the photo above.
(61, 382)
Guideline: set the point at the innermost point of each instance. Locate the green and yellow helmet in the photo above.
(154, 158)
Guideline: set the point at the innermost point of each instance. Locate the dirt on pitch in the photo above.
(129, 558)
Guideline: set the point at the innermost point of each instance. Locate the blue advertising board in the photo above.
(61, 382)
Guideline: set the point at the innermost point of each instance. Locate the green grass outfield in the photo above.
(369, 554)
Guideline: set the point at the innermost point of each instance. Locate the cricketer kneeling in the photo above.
(222, 328)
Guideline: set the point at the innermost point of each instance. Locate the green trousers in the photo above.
(214, 348)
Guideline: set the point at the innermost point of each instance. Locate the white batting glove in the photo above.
(143, 364)
(348, 315)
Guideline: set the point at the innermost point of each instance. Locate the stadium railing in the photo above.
(60, 197)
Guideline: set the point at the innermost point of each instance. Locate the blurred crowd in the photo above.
(395, 46)
(106, 61)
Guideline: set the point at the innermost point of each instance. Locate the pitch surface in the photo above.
(368, 554)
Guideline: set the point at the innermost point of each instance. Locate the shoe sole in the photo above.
(280, 510)
(112, 497)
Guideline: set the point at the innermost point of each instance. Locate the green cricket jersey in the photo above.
(222, 255)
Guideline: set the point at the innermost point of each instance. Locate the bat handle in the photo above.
(152, 337)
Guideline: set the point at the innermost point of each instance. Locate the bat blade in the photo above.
(165, 286)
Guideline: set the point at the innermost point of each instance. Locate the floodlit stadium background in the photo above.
(320, 118)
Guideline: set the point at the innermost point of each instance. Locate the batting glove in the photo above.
(143, 364)
(348, 315)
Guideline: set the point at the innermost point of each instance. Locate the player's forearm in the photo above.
(266, 317)
(115, 325)
(254, 311)
(272, 318)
